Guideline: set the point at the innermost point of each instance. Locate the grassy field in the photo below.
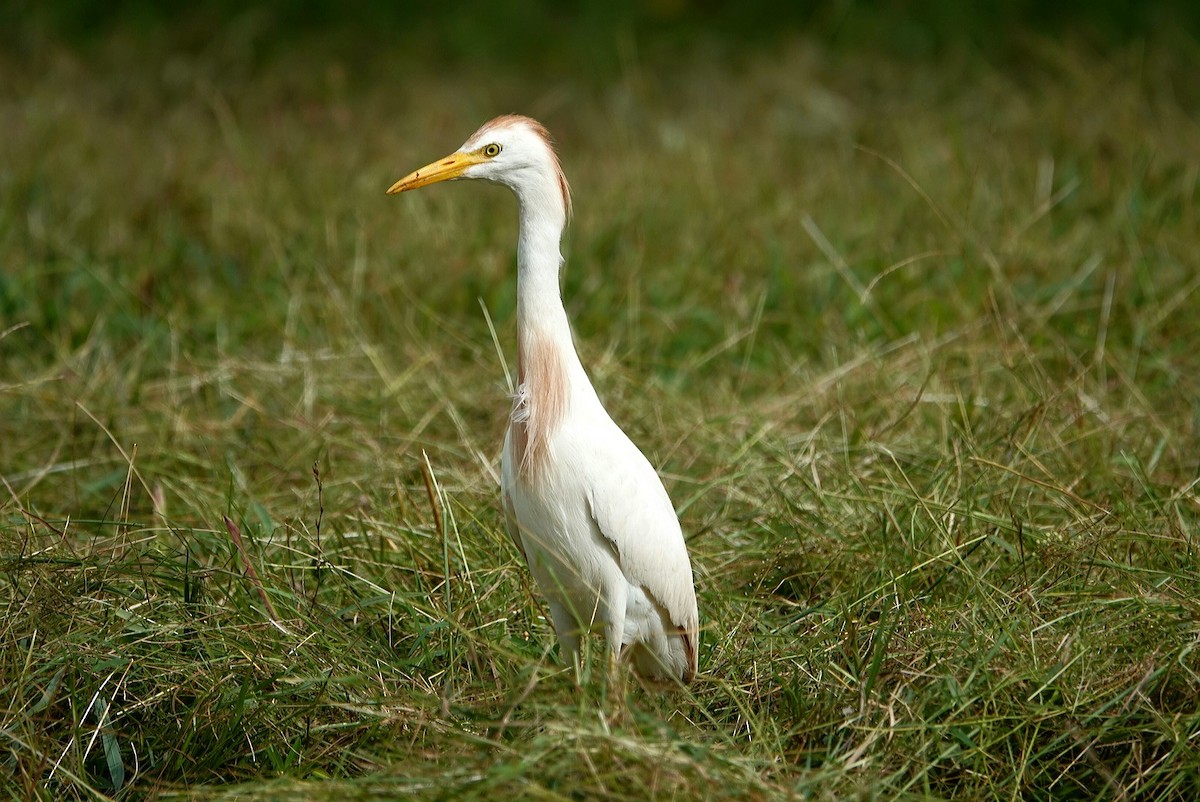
(912, 333)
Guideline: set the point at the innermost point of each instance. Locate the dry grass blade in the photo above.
(235, 534)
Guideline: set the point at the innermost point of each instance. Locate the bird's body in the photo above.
(583, 505)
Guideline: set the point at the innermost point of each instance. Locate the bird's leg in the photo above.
(567, 629)
(618, 711)
(614, 634)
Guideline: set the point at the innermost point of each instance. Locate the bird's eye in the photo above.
(492, 150)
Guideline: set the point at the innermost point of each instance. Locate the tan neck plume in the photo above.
(541, 400)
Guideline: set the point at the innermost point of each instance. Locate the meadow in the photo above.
(912, 333)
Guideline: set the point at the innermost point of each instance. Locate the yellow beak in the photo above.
(451, 167)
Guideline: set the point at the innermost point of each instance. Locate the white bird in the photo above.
(583, 505)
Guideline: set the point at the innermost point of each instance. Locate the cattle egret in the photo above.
(583, 505)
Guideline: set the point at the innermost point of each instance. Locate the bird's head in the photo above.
(512, 150)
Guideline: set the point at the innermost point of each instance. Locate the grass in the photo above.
(911, 339)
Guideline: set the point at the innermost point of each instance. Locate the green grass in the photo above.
(912, 339)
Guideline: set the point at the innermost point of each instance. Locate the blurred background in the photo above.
(137, 124)
(582, 37)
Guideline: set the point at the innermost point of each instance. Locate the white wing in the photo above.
(632, 511)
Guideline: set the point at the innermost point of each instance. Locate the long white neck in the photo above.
(552, 380)
(541, 319)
